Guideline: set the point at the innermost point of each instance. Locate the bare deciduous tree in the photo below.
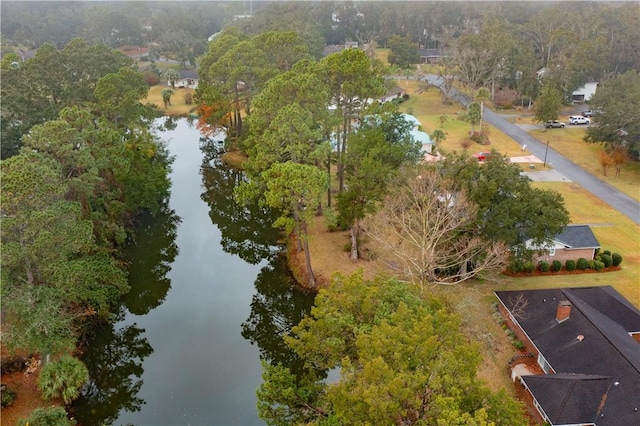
(430, 228)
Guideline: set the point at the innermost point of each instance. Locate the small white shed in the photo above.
(584, 93)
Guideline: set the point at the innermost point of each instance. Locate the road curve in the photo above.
(607, 193)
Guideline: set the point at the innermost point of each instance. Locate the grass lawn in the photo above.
(383, 55)
(428, 108)
(568, 142)
(178, 106)
(473, 300)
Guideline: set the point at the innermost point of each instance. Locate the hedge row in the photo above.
(601, 261)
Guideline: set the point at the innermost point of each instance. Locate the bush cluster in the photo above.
(604, 259)
(543, 266)
(582, 264)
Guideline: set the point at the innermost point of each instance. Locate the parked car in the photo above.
(482, 155)
(578, 119)
(590, 112)
(553, 123)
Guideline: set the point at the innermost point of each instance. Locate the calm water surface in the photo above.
(210, 297)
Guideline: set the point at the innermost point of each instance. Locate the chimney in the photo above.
(563, 310)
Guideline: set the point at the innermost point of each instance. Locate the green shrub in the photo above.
(516, 266)
(607, 260)
(607, 252)
(556, 265)
(598, 266)
(529, 267)
(616, 258)
(52, 416)
(582, 264)
(591, 264)
(518, 345)
(63, 378)
(543, 266)
(330, 219)
(8, 396)
(570, 265)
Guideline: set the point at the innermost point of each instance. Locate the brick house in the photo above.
(574, 242)
(585, 347)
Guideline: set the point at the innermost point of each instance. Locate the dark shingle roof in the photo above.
(188, 74)
(578, 236)
(569, 398)
(603, 319)
(429, 52)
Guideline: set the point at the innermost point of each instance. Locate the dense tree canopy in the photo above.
(402, 360)
(403, 51)
(377, 149)
(617, 121)
(71, 193)
(510, 210)
(39, 88)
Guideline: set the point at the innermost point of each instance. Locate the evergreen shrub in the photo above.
(543, 266)
(582, 264)
(570, 265)
(617, 259)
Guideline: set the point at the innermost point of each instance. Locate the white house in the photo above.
(584, 93)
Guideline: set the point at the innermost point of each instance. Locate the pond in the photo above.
(210, 297)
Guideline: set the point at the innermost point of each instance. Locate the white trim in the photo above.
(522, 329)
(542, 362)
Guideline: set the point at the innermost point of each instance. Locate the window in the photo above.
(551, 251)
(542, 362)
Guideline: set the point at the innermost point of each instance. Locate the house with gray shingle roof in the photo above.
(586, 343)
(574, 242)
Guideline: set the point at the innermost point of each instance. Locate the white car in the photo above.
(578, 119)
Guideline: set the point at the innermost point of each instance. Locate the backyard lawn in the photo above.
(178, 106)
(474, 300)
(428, 107)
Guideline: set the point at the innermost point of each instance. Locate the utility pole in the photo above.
(544, 164)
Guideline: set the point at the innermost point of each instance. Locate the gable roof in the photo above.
(394, 90)
(577, 236)
(569, 398)
(188, 74)
(594, 340)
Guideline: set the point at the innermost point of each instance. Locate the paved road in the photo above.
(607, 193)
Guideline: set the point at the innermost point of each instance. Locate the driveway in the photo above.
(607, 193)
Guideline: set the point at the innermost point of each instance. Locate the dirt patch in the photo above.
(27, 395)
(329, 255)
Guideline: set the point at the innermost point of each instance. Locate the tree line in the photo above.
(319, 143)
(87, 163)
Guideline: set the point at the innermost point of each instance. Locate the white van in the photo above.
(578, 119)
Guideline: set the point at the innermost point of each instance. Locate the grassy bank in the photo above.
(178, 107)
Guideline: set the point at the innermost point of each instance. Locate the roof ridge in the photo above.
(596, 318)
